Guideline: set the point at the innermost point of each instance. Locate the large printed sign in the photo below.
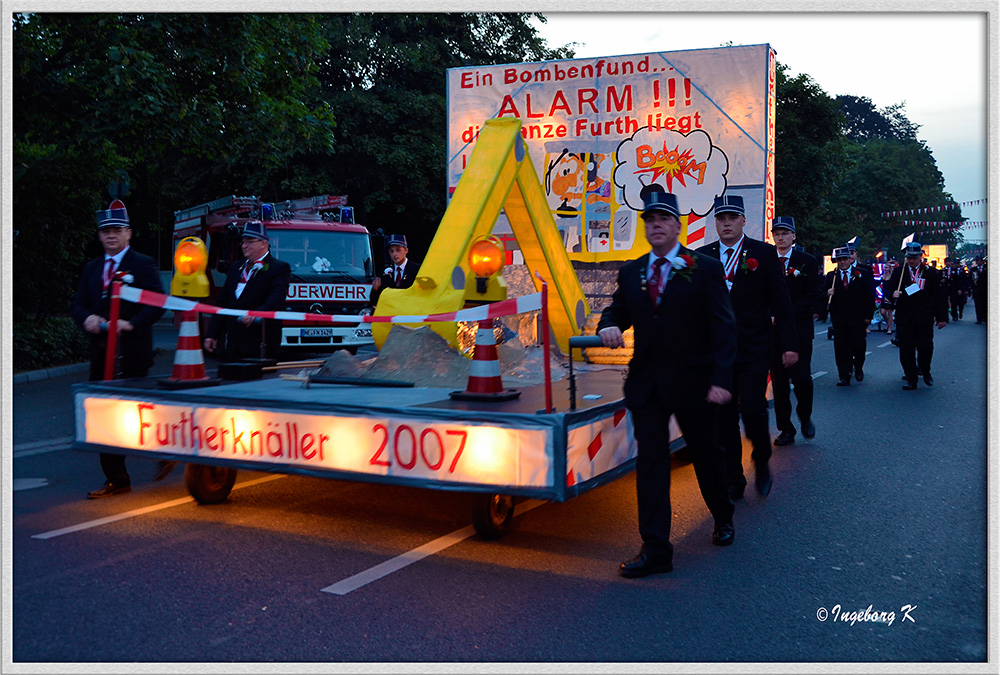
(410, 447)
(697, 123)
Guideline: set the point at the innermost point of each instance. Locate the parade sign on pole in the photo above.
(699, 123)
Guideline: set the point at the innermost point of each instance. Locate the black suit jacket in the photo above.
(686, 343)
(265, 291)
(759, 293)
(802, 278)
(854, 305)
(923, 307)
(135, 346)
(389, 281)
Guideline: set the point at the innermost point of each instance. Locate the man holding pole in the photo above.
(91, 309)
(920, 304)
(851, 301)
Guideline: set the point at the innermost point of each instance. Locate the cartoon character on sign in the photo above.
(564, 181)
(687, 165)
(598, 188)
(564, 187)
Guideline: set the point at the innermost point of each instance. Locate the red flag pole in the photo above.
(111, 354)
(545, 343)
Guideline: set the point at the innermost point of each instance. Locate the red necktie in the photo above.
(654, 280)
(245, 274)
(845, 279)
(399, 275)
(109, 265)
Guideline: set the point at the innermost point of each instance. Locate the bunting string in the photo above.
(931, 209)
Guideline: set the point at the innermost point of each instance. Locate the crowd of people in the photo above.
(711, 325)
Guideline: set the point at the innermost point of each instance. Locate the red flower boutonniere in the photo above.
(683, 267)
(792, 272)
(855, 275)
(748, 264)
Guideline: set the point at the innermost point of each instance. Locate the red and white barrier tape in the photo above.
(525, 303)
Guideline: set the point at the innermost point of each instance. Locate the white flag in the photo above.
(906, 240)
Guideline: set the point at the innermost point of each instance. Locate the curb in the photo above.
(50, 373)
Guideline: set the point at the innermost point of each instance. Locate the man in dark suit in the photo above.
(919, 302)
(260, 282)
(401, 273)
(91, 307)
(979, 291)
(956, 284)
(685, 344)
(851, 298)
(801, 276)
(761, 303)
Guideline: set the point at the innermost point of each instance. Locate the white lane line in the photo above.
(20, 484)
(352, 583)
(868, 353)
(821, 332)
(819, 373)
(884, 344)
(41, 447)
(138, 512)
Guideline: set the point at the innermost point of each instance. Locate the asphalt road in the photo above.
(884, 510)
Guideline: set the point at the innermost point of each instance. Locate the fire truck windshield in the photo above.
(318, 253)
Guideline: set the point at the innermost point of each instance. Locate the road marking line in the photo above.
(822, 332)
(819, 373)
(354, 582)
(884, 344)
(19, 484)
(41, 447)
(138, 512)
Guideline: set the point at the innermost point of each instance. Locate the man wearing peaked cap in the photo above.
(920, 303)
(401, 273)
(758, 292)
(259, 282)
(91, 307)
(802, 278)
(851, 300)
(685, 343)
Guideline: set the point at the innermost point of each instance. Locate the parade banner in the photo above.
(697, 123)
(402, 446)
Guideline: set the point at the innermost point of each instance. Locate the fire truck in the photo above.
(330, 256)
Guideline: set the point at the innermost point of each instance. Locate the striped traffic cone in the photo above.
(189, 362)
(484, 375)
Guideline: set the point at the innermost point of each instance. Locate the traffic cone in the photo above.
(484, 375)
(189, 362)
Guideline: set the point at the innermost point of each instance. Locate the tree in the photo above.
(810, 153)
(385, 76)
(189, 105)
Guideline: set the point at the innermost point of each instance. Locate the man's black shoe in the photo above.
(808, 429)
(909, 385)
(163, 469)
(859, 374)
(763, 480)
(723, 535)
(109, 489)
(928, 380)
(643, 565)
(843, 383)
(894, 341)
(785, 438)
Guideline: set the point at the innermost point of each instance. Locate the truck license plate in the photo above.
(317, 332)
